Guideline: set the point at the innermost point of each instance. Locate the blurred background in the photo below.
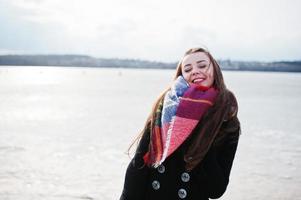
(78, 80)
(266, 30)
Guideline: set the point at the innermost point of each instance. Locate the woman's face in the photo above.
(196, 68)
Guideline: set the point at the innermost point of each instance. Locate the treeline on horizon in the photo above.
(88, 61)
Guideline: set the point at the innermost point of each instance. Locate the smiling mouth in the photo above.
(198, 80)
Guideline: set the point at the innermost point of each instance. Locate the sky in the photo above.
(156, 30)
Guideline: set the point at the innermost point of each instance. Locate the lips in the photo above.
(198, 80)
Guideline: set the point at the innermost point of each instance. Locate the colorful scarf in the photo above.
(176, 116)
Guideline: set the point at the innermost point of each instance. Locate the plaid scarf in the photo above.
(176, 116)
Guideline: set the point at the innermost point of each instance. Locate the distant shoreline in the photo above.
(88, 61)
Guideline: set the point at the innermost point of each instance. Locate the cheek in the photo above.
(185, 76)
(210, 74)
(211, 79)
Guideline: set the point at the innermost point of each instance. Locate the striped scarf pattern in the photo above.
(176, 116)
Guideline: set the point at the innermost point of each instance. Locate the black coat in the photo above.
(171, 181)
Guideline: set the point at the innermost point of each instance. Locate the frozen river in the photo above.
(64, 131)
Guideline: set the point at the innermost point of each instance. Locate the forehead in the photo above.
(195, 57)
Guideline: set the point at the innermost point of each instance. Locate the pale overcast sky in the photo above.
(161, 30)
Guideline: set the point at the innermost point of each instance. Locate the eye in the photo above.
(202, 66)
(187, 69)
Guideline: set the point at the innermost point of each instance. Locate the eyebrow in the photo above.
(199, 61)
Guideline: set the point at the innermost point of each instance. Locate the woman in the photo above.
(188, 144)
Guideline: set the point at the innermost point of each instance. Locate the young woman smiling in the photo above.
(188, 144)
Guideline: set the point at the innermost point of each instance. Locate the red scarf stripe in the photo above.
(197, 100)
(158, 144)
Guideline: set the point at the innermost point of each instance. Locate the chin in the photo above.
(199, 84)
(203, 84)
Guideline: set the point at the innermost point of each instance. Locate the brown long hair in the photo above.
(209, 128)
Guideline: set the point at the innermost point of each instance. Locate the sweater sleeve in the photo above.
(216, 166)
(137, 173)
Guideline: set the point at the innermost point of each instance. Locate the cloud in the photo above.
(161, 30)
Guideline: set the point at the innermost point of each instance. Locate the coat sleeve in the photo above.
(216, 166)
(137, 173)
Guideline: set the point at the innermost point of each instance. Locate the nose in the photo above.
(195, 71)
